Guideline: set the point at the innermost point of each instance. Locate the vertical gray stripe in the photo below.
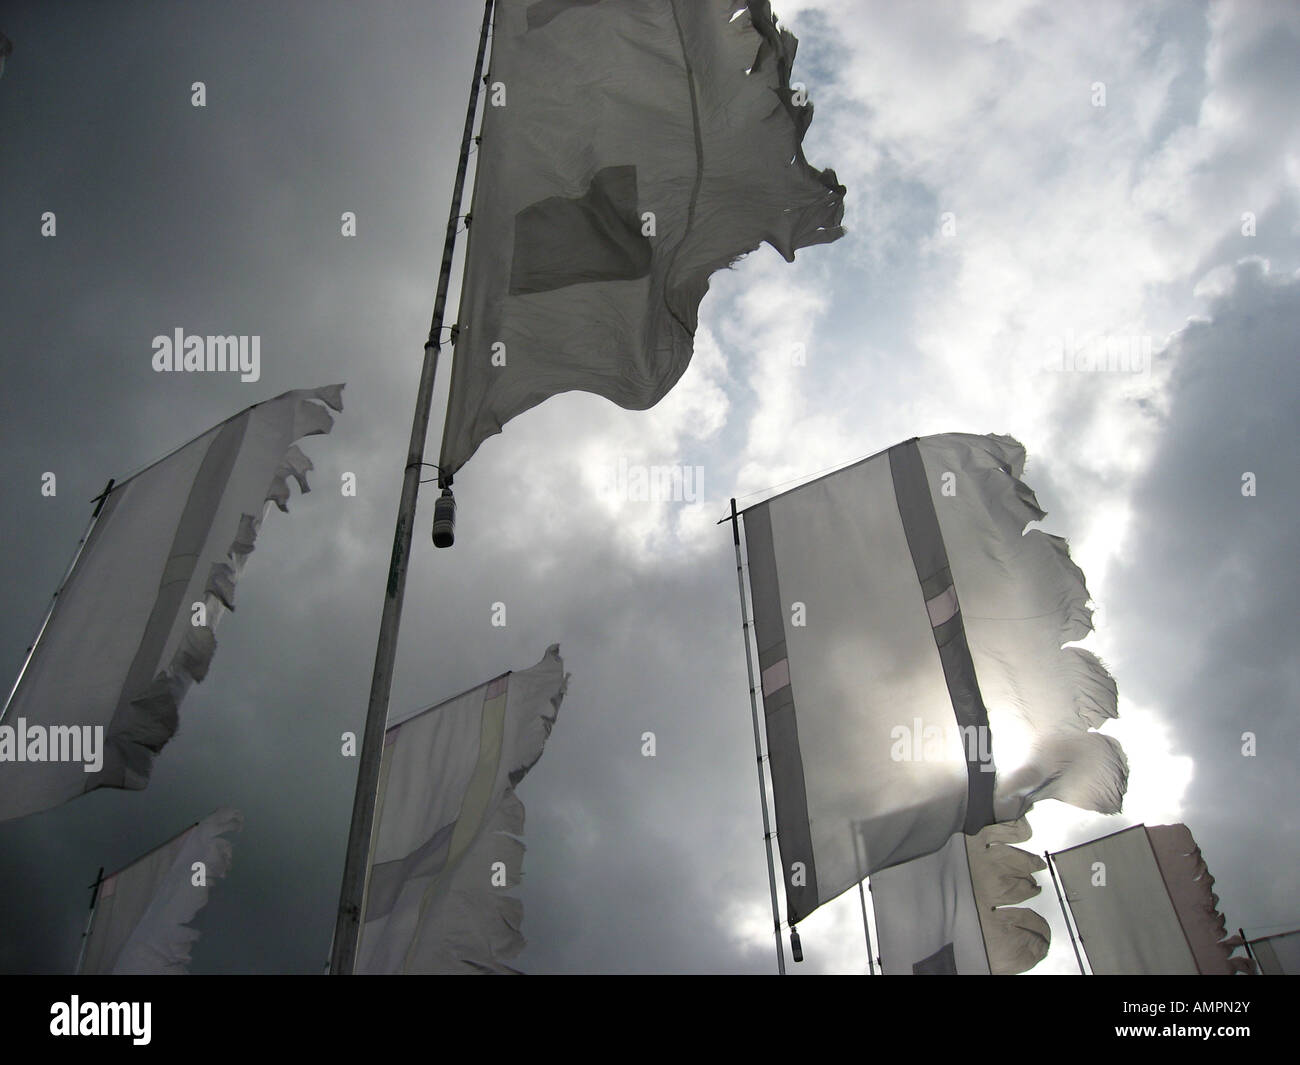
(769, 619)
(187, 542)
(784, 759)
(930, 557)
(966, 845)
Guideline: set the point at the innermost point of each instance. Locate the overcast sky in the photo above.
(1019, 174)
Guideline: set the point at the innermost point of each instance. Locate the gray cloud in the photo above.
(1203, 601)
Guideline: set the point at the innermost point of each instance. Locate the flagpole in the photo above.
(94, 898)
(862, 899)
(758, 745)
(99, 501)
(348, 927)
(872, 891)
(1249, 952)
(1051, 868)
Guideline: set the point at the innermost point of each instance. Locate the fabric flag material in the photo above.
(913, 675)
(1143, 903)
(630, 148)
(444, 850)
(139, 924)
(1278, 955)
(134, 622)
(1016, 937)
(1191, 890)
(949, 912)
(927, 920)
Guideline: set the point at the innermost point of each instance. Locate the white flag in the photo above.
(139, 924)
(1143, 903)
(444, 850)
(950, 912)
(913, 675)
(927, 920)
(133, 625)
(630, 148)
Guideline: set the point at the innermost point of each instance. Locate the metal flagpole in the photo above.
(348, 927)
(758, 743)
(94, 898)
(862, 899)
(873, 910)
(99, 501)
(1051, 868)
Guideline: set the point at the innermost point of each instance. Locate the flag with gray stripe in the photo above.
(1143, 902)
(445, 852)
(134, 623)
(949, 912)
(914, 679)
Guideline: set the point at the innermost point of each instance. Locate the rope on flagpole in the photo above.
(1051, 868)
(758, 751)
